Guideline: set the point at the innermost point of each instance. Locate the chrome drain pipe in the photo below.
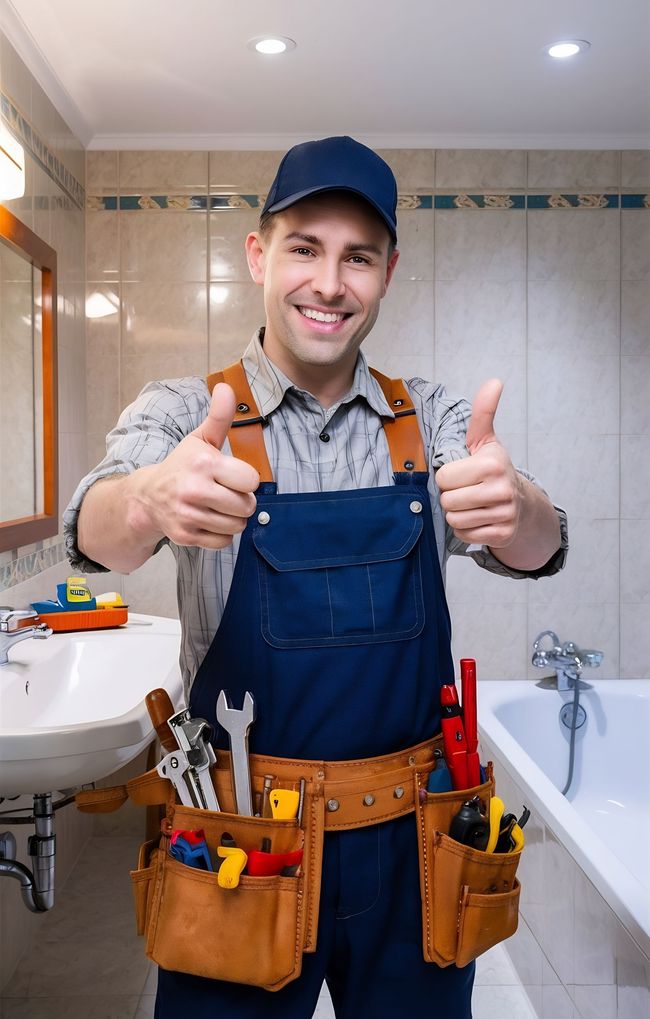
(36, 885)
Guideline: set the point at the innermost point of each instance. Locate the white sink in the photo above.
(72, 707)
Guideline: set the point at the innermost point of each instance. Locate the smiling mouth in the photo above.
(326, 317)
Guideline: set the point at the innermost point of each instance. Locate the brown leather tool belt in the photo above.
(355, 793)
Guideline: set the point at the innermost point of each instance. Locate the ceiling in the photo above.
(417, 73)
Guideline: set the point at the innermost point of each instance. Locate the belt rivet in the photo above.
(415, 507)
(320, 774)
(399, 792)
(368, 800)
(411, 759)
(263, 517)
(243, 408)
(333, 804)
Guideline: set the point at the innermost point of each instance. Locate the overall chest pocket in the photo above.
(341, 569)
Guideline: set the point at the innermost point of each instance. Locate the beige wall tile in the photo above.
(397, 332)
(163, 246)
(635, 387)
(582, 475)
(236, 311)
(243, 172)
(102, 393)
(465, 369)
(415, 244)
(16, 80)
(413, 168)
(102, 246)
(164, 318)
(583, 170)
(574, 316)
(635, 245)
(168, 172)
(471, 244)
(571, 395)
(635, 317)
(635, 641)
(494, 636)
(480, 168)
(103, 334)
(635, 490)
(573, 244)
(101, 172)
(635, 169)
(228, 232)
(476, 316)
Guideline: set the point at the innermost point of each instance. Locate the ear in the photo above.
(255, 257)
(390, 269)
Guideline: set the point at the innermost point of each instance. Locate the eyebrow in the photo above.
(372, 249)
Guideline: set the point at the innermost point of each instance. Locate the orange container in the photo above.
(93, 619)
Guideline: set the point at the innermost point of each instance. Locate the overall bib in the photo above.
(337, 622)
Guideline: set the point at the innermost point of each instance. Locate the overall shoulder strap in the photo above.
(402, 431)
(245, 435)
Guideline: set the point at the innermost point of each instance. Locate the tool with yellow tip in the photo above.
(284, 803)
(234, 861)
(497, 807)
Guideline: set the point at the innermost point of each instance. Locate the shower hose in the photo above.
(572, 747)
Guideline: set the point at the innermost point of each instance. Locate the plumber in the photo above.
(345, 646)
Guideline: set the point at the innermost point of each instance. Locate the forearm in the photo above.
(114, 527)
(537, 536)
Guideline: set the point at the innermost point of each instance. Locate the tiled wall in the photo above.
(532, 266)
(53, 207)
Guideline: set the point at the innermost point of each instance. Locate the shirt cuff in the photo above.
(482, 555)
(71, 516)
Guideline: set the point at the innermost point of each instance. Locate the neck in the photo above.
(327, 383)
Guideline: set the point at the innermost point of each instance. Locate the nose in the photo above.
(327, 279)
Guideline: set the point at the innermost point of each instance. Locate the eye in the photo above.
(302, 251)
(359, 260)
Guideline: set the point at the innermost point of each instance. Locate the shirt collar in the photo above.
(269, 384)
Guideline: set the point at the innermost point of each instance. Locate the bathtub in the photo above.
(604, 821)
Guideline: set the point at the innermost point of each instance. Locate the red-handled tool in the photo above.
(262, 864)
(470, 722)
(453, 735)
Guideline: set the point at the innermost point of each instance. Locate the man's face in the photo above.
(324, 265)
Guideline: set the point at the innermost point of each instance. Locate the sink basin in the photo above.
(72, 707)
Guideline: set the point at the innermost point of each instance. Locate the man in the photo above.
(336, 617)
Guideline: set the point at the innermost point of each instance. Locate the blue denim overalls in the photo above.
(337, 622)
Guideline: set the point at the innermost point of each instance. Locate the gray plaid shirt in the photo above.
(310, 449)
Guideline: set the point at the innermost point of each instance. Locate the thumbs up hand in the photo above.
(199, 495)
(482, 495)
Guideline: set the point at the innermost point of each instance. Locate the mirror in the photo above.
(28, 405)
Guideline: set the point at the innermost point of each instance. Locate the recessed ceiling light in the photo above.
(271, 45)
(567, 48)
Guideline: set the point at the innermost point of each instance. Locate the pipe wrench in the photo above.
(188, 768)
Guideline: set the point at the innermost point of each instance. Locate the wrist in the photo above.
(141, 516)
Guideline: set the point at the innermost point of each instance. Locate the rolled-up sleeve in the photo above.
(146, 432)
(443, 422)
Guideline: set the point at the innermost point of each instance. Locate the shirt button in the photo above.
(324, 437)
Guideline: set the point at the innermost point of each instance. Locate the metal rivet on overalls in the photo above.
(409, 465)
(243, 408)
(333, 804)
(415, 507)
(399, 792)
(368, 800)
(263, 517)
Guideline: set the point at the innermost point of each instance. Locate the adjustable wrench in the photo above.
(237, 723)
(187, 766)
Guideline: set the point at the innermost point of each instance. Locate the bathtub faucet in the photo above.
(567, 659)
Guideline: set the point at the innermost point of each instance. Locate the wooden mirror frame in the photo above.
(26, 530)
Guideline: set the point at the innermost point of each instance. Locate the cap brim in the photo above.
(286, 203)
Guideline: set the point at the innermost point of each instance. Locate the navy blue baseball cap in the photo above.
(334, 164)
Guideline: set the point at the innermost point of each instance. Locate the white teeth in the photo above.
(321, 316)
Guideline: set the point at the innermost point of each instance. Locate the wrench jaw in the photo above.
(237, 723)
(188, 768)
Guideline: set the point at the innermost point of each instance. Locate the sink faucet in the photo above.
(567, 659)
(17, 625)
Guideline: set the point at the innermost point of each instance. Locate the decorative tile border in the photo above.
(237, 202)
(46, 159)
(28, 566)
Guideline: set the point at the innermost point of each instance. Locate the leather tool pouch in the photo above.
(253, 934)
(470, 899)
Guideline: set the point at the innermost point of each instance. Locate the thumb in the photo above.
(222, 410)
(481, 424)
